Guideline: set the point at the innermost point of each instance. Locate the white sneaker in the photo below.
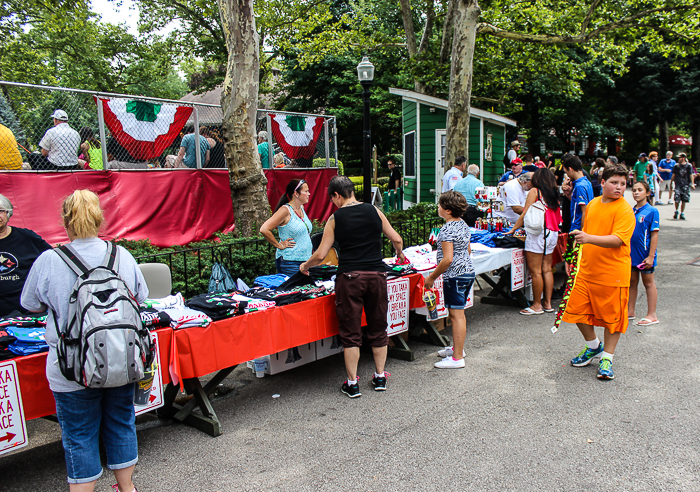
(670, 202)
(450, 363)
(449, 352)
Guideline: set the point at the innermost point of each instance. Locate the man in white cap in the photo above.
(59, 146)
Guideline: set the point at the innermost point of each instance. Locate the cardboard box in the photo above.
(328, 346)
(291, 358)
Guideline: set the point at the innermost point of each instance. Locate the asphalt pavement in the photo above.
(519, 417)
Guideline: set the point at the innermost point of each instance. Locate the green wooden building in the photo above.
(424, 139)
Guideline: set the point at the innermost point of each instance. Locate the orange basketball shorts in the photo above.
(598, 305)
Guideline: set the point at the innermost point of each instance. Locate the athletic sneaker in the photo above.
(586, 356)
(675, 214)
(352, 390)
(605, 369)
(449, 352)
(115, 487)
(450, 363)
(379, 383)
(682, 216)
(670, 202)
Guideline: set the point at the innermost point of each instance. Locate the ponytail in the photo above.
(288, 193)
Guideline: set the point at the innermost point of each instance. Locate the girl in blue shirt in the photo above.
(643, 251)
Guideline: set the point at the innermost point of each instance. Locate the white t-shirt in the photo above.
(449, 180)
(512, 193)
(63, 143)
(512, 154)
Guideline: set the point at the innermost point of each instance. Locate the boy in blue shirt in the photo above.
(665, 171)
(582, 192)
(643, 252)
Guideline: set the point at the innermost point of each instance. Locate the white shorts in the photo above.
(535, 244)
(668, 185)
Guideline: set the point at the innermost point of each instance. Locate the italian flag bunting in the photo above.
(144, 129)
(296, 135)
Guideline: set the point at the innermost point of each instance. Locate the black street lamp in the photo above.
(365, 72)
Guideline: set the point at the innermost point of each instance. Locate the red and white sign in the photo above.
(517, 269)
(397, 310)
(155, 399)
(442, 311)
(13, 429)
(470, 299)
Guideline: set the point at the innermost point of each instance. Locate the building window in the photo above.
(409, 154)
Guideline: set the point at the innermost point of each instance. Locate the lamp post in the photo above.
(365, 72)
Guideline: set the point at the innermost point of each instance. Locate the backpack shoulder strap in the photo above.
(111, 260)
(69, 255)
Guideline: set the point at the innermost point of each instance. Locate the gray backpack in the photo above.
(105, 344)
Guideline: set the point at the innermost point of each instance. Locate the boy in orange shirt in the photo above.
(601, 292)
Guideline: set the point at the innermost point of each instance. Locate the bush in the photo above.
(321, 162)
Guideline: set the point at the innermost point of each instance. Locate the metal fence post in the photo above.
(103, 137)
(326, 142)
(198, 153)
(270, 148)
(335, 142)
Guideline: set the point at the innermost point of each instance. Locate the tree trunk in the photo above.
(533, 143)
(663, 137)
(447, 31)
(239, 102)
(458, 110)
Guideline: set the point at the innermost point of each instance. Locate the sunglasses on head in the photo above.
(301, 182)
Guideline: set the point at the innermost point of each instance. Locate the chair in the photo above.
(158, 279)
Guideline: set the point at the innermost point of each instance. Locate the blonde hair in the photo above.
(82, 214)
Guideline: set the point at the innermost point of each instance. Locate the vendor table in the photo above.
(224, 344)
(37, 398)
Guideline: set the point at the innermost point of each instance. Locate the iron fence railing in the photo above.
(249, 258)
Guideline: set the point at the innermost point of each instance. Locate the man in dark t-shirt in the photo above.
(361, 279)
(19, 249)
(683, 178)
(395, 178)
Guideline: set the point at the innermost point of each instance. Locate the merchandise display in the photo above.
(22, 335)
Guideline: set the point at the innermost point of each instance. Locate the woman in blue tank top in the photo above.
(293, 226)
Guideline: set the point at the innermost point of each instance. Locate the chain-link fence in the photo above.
(52, 128)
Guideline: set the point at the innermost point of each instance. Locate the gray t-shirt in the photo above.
(50, 283)
(63, 143)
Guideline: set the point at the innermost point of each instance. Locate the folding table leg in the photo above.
(427, 331)
(401, 350)
(501, 294)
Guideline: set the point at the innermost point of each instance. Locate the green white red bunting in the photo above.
(296, 135)
(143, 128)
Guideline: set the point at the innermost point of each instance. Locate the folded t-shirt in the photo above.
(187, 318)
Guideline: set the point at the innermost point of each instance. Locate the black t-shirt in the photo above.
(216, 156)
(550, 161)
(395, 176)
(682, 174)
(18, 252)
(358, 230)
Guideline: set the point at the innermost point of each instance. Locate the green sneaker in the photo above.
(586, 356)
(605, 370)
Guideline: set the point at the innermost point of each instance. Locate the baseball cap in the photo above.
(682, 154)
(59, 114)
(517, 162)
(642, 155)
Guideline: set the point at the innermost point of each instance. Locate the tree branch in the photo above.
(201, 21)
(428, 31)
(446, 44)
(491, 30)
(589, 15)
(409, 28)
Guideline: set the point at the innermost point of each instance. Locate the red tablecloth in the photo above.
(201, 351)
(37, 398)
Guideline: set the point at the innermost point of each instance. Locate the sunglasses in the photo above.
(301, 182)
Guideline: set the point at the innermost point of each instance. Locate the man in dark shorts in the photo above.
(683, 178)
(361, 278)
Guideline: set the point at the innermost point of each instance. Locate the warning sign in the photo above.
(470, 299)
(13, 430)
(517, 269)
(397, 309)
(155, 399)
(442, 311)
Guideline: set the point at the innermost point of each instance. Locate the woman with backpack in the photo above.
(85, 413)
(539, 247)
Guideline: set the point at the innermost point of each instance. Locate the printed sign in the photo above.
(13, 430)
(397, 311)
(470, 299)
(155, 399)
(441, 309)
(517, 269)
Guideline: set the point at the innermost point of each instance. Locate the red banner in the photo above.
(167, 207)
